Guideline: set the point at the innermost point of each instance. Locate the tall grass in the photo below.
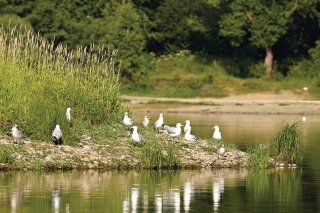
(286, 144)
(159, 156)
(6, 154)
(39, 80)
(258, 156)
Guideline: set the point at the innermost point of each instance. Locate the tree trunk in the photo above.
(268, 61)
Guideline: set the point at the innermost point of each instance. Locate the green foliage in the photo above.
(204, 28)
(264, 23)
(38, 82)
(7, 20)
(286, 144)
(258, 156)
(257, 70)
(155, 156)
(6, 154)
(123, 29)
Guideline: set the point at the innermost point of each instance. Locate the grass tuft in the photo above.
(258, 156)
(286, 144)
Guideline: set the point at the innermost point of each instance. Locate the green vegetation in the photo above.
(155, 156)
(39, 81)
(286, 145)
(185, 76)
(258, 156)
(211, 48)
(6, 154)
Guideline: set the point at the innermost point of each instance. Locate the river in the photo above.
(205, 190)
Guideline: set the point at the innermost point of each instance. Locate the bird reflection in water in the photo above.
(188, 192)
(158, 203)
(56, 199)
(217, 190)
(15, 199)
(132, 199)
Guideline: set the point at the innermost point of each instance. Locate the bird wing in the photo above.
(131, 122)
(57, 134)
(193, 137)
(20, 134)
(141, 139)
(170, 130)
(157, 124)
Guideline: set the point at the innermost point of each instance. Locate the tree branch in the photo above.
(294, 7)
(250, 17)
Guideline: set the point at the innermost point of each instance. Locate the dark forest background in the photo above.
(281, 35)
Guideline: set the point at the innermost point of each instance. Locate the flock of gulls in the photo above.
(56, 133)
(172, 131)
(159, 127)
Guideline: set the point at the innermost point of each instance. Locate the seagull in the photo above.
(221, 151)
(190, 137)
(68, 115)
(146, 121)
(187, 126)
(217, 133)
(128, 121)
(57, 134)
(173, 131)
(159, 123)
(136, 137)
(17, 135)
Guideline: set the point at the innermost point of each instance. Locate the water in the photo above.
(240, 129)
(207, 190)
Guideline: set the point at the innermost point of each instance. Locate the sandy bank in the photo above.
(284, 102)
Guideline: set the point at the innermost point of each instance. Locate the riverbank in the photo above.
(284, 102)
(121, 154)
(117, 151)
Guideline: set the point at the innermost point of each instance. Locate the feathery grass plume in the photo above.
(286, 144)
(39, 80)
(258, 156)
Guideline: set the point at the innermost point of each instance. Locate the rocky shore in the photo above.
(120, 153)
(35, 155)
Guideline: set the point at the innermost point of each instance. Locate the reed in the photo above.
(258, 156)
(159, 156)
(39, 80)
(286, 144)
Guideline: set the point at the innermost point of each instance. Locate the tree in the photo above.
(123, 28)
(262, 22)
(173, 24)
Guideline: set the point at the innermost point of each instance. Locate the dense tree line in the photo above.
(284, 31)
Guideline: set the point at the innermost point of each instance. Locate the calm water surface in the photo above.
(216, 190)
